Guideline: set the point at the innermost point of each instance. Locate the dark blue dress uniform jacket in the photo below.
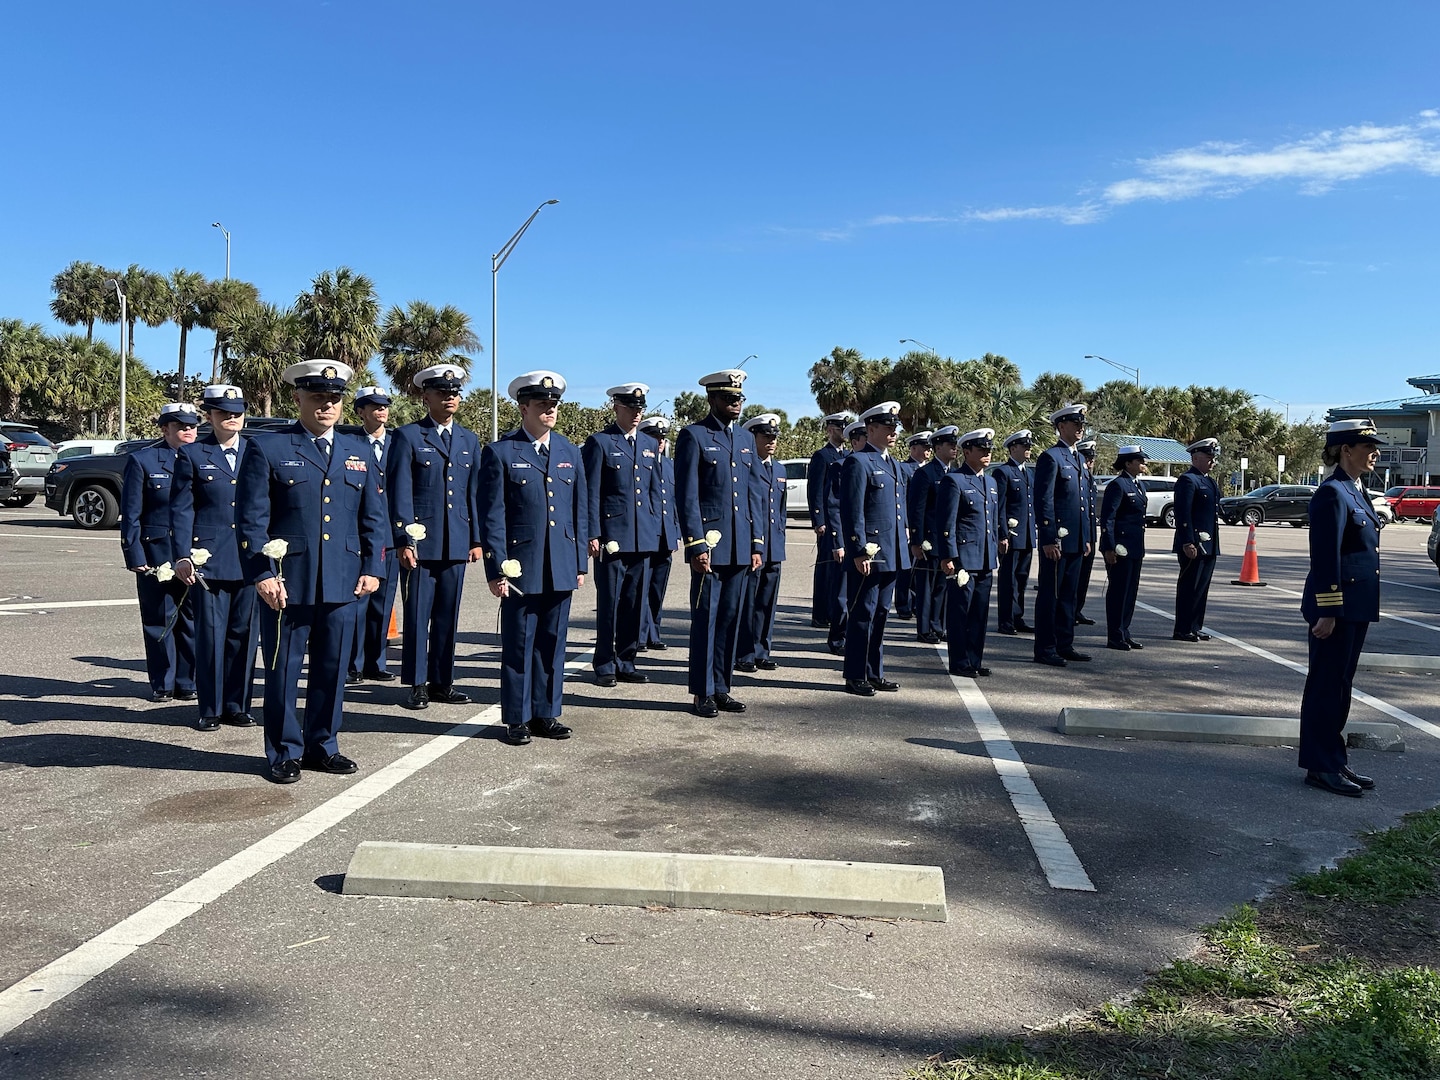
(1197, 509)
(713, 490)
(1014, 484)
(771, 498)
(872, 508)
(966, 520)
(149, 484)
(920, 501)
(518, 522)
(330, 512)
(1344, 578)
(669, 516)
(831, 505)
(1122, 516)
(439, 491)
(204, 506)
(1062, 500)
(624, 484)
(818, 489)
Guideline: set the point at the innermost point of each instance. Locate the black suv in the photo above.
(1273, 502)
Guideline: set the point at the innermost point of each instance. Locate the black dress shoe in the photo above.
(379, 676)
(208, 723)
(547, 727)
(238, 719)
(1083, 621)
(1200, 635)
(338, 764)
(859, 687)
(161, 696)
(967, 672)
(819, 624)
(607, 679)
(885, 685)
(448, 695)
(1008, 631)
(1186, 637)
(747, 666)
(837, 649)
(1074, 657)
(185, 695)
(1023, 627)
(660, 645)
(285, 772)
(726, 703)
(419, 698)
(705, 706)
(642, 648)
(1052, 659)
(1355, 778)
(517, 734)
(1134, 644)
(929, 638)
(1333, 782)
(904, 614)
(636, 677)
(352, 678)
(982, 671)
(1120, 646)
(766, 665)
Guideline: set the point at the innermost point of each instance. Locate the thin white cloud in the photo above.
(1084, 214)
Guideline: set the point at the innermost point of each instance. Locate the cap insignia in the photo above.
(328, 373)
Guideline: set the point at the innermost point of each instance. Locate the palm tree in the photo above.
(83, 378)
(846, 380)
(1051, 389)
(22, 362)
(187, 290)
(80, 295)
(421, 335)
(147, 300)
(264, 340)
(339, 317)
(220, 305)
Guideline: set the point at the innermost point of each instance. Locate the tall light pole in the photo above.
(217, 225)
(1277, 401)
(1119, 367)
(752, 356)
(121, 294)
(496, 261)
(913, 341)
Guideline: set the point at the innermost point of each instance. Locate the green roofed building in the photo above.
(1164, 457)
(1410, 425)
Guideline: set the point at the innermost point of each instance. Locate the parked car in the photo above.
(1289, 503)
(1432, 545)
(1382, 507)
(7, 474)
(1414, 503)
(31, 455)
(1160, 498)
(81, 447)
(796, 486)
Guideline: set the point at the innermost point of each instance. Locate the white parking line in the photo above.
(1407, 585)
(1369, 699)
(54, 604)
(1383, 614)
(61, 536)
(40, 990)
(1057, 858)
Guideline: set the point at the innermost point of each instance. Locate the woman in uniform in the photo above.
(1122, 543)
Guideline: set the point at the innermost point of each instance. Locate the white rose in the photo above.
(925, 545)
(199, 557)
(612, 546)
(1064, 532)
(1012, 524)
(1121, 550)
(164, 572)
(713, 538)
(962, 576)
(872, 550)
(1203, 536)
(415, 531)
(275, 549)
(510, 568)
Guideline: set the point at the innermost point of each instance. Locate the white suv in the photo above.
(1160, 505)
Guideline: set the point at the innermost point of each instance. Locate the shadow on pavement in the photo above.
(62, 750)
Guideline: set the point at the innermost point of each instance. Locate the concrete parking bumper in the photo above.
(1216, 728)
(1399, 662)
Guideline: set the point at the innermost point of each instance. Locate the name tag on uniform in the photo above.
(425, 450)
(564, 465)
(744, 449)
(521, 465)
(207, 465)
(159, 475)
(294, 464)
(355, 464)
(648, 453)
(617, 453)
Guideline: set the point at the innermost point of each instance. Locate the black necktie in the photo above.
(324, 445)
(543, 449)
(445, 438)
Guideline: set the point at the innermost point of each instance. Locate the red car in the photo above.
(1415, 503)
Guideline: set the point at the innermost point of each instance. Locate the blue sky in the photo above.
(1244, 195)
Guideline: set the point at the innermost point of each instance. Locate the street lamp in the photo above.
(121, 294)
(1277, 401)
(752, 356)
(1119, 367)
(496, 261)
(217, 225)
(913, 341)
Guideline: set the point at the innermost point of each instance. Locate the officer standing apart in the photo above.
(623, 473)
(1341, 600)
(372, 614)
(927, 580)
(227, 627)
(147, 541)
(829, 575)
(966, 527)
(1197, 539)
(534, 520)
(1087, 564)
(314, 489)
(919, 448)
(713, 463)
(1063, 523)
(877, 546)
(1122, 543)
(840, 602)
(658, 428)
(1016, 485)
(434, 477)
(770, 496)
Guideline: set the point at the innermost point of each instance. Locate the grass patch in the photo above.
(1337, 975)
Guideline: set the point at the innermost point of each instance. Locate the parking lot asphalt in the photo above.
(111, 803)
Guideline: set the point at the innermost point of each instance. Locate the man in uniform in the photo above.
(534, 524)
(658, 428)
(372, 614)
(877, 546)
(919, 447)
(1197, 539)
(1016, 486)
(829, 576)
(1086, 449)
(713, 462)
(434, 479)
(622, 468)
(1063, 522)
(314, 489)
(207, 474)
(770, 493)
(969, 542)
(840, 601)
(928, 583)
(166, 613)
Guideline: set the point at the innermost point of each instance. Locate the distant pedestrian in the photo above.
(769, 491)
(967, 512)
(1016, 486)
(918, 447)
(829, 581)
(658, 428)
(1197, 539)
(368, 658)
(1063, 515)
(927, 579)
(840, 602)
(1086, 449)
(1122, 543)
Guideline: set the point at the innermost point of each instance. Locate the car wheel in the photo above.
(1253, 516)
(95, 508)
(20, 500)
(1167, 517)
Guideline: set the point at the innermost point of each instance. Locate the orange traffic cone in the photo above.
(1250, 568)
(392, 635)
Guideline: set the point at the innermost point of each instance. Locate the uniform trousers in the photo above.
(1325, 705)
(1055, 604)
(824, 586)
(620, 599)
(762, 589)
(870, 597)
(372, 623)
(432, 617)
(839, 611)
(326, 632)
(928, 584)
(1124, 587)
(533, 633)
(1192, 590)
(904, 600)
(1087, 566)
(1014, 576)
(169, 657)
(967, 610)
(715, 601)
(227, 633)
(655, 596)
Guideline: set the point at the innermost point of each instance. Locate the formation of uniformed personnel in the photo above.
(534, 525)
(434, 477)
(762, 592)
(313, 489)
(658, 428)
(877, 546)
(927, 580)
(918, 446)
(227, 627)
(1016, 486)
(622, 469)
(839, 609)
(1341, 600)
(967, 529)
(713, 463)
(1086, 449)
(1122, 545)
(372, 614)
(146, 538)
(1063, 524)
(1197, 539)
(829, 579)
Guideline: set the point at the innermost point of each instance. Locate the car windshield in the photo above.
(796, 470)
(1261, 492)
(24, 435)
(1393, 493)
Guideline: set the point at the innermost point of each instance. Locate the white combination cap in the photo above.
(730, 379)
(537, 384)
(439, 377)
(323, 376)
